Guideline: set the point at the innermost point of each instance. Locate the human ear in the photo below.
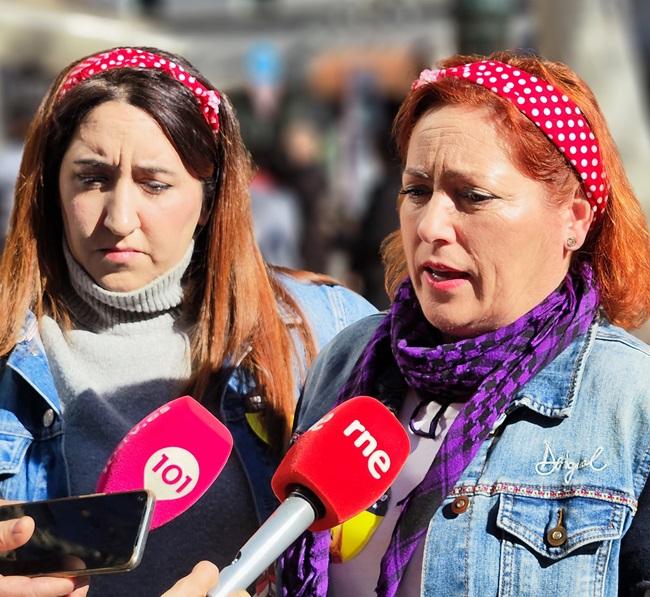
(579, 215)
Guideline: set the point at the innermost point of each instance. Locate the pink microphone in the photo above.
(177, 452)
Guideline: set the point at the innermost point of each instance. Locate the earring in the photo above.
(571, 242)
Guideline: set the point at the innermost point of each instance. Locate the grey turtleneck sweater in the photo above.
(127, 354)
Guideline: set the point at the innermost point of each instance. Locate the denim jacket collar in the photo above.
(28, 359)
(552, 392)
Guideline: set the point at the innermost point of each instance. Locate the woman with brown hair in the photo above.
(131, 276)
(522, 257)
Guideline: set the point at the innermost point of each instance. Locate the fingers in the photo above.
(81, 590)
(15, 532)
(202, 578)
(81, 584)
(21, 586)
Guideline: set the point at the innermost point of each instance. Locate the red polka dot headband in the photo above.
(552, 111)
(209, 99)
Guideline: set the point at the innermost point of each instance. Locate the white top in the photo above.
(358, 577)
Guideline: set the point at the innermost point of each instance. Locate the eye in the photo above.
(475, 195)
(155, 187)
(417, 194)
(92, 181)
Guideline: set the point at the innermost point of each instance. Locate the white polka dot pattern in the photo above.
(552, 111)
(209, 99)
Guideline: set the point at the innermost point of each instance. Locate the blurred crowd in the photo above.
(318, 126)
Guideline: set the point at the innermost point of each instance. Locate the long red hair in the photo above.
(618, 245)
(232, 295)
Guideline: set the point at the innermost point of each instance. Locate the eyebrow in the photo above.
(417, 172)
(447, 174)
(100, 164)
(94, 163)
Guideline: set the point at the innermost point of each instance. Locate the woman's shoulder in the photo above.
(618, 348)
(328, 307)
(313, 287)
(614, 380)
(331, 369)
(616, 368)
(352, 340)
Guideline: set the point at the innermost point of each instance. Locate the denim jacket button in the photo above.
(460, 504)
(48, 417)
(556, 536)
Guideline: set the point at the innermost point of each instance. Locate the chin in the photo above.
(120, 283)
(453, 326)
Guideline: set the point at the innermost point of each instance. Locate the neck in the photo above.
(98, 308)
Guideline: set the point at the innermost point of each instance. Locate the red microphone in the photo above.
(338, 468)
(177, 452)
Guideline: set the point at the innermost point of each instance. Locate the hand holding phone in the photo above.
(13, 534)
(80, 536)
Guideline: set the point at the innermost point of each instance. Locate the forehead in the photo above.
(113, 126)
(463, 130)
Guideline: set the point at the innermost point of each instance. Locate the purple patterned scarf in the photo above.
(485, 372)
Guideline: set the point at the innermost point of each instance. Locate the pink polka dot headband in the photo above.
(552, 111)
(209, 99)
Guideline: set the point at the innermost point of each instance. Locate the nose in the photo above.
(121, 213)
(436, 222)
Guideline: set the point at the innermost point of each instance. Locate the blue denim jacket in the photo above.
(572, 451)
(32, 428)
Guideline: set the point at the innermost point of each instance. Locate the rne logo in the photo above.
(378, 460)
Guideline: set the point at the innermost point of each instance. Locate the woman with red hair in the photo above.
(521, 259)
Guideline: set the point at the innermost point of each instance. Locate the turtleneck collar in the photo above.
(99, 308)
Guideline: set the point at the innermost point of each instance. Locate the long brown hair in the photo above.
(233, 298)
(618, 245)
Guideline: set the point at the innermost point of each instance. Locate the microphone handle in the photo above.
(281, 529)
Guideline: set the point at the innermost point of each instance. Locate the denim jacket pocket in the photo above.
(13, 470)
(557, 546)
(13, 449)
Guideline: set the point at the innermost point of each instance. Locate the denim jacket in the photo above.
(570, 456)
(32, 428)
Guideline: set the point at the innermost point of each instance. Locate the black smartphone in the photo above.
(81, 535)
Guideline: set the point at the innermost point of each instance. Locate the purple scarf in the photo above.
(486, 372)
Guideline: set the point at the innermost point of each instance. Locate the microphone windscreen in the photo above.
(177, 452)
(348, 459)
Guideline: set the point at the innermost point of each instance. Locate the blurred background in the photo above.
(316, 84)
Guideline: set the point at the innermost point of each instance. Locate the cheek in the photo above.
(193, 213)
(409, 238)
(187, 215)
(408, 227)
(80, 218)
(172, 224)
(186, 202)
(508, 261)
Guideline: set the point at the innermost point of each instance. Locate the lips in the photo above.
(119, 250)
(441, 271)
(120, 255)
